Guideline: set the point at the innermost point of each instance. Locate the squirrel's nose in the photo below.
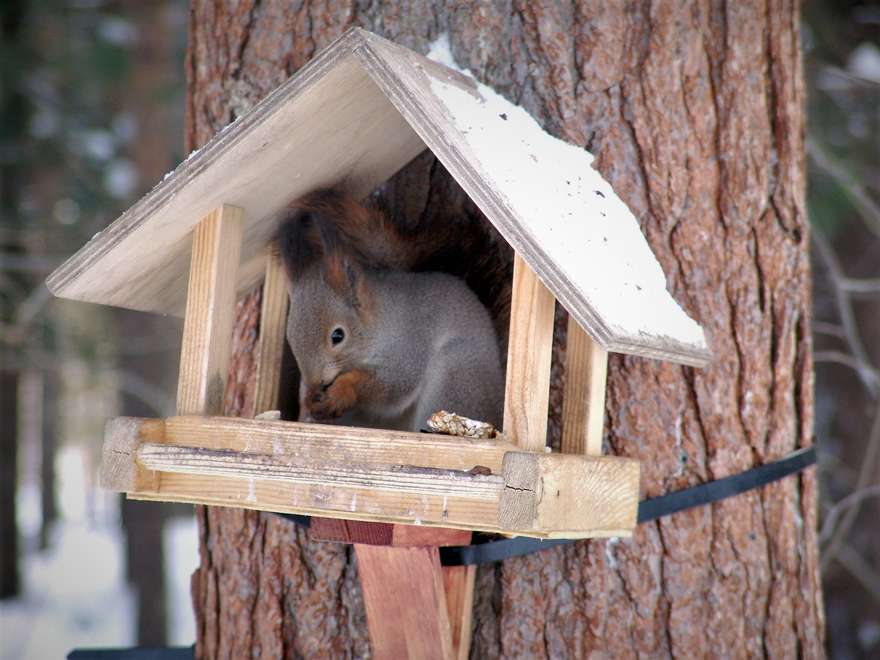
(317, 392)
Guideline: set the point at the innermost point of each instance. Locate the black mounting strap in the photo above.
(656, 507)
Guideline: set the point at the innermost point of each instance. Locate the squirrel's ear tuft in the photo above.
(345, 275)
(295, 242)
(317, 226)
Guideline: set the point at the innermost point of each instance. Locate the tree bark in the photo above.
(10, 577)
(694, 111)
(48, 449)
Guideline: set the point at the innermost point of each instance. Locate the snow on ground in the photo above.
(181, 543)
(75, 594)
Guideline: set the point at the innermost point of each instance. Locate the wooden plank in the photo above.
(401, 536)
(540, 495)
(301, 441)
(424, 481)
(309, 501)
(527, 392)
(458, 582)
(405, 601)
(328, 500)
(351, 531)
(583, 403)
(120, 470)
(273, 328)
(407, 535)
(326, 123)
(210, 312)
(559, 492)
(586, 245)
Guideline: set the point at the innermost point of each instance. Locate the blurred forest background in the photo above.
(91, 116)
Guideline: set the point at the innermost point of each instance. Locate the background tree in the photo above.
(695, 114)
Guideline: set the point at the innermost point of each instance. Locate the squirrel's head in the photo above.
(329, 329)
(331, 306)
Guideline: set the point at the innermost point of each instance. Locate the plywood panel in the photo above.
(360, 111)
(328, 122)
(547, 201)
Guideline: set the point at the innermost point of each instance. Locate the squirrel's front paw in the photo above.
(341, 395)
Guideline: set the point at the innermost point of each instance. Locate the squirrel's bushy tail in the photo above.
(329, 223)
(446, 234)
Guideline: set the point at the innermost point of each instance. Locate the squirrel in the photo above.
(377, 343)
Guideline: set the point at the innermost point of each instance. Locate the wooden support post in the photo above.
(273, 328)
(405, 601)
(527, 393)
(408, 575)
(210, 312)
(583, 403)
(458, 582)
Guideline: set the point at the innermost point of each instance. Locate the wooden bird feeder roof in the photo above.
(361, 110)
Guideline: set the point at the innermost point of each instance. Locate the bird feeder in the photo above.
(361, 110)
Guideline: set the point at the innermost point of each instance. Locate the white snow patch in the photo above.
(609, 551)
(74, 596)
(568, 208)
(75, 593)
(252, 491)
(441, 51)
(864, 62)
(181, 542)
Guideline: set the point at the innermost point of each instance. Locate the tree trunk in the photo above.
(10, 578)
(48, 449)
(695, 113)
(151, 151)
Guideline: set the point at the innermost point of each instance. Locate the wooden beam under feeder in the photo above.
(344, 472)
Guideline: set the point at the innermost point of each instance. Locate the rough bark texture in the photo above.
(10, 577)
(695, 113)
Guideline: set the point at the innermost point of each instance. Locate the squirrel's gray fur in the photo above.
(414, 343)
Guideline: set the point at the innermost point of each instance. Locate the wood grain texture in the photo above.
(300, 441)
(339, 530)
(561, 493)
(407, 535)
(527, 390)
(541, 495)
(210, 312)
(458, 583)
(583, 403)
(329, 122)
(382, 480)
(402, 536)
(695, 115)
(273, 327)
(123, 436)
(405, 601)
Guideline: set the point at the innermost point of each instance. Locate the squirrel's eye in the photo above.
(337, 336)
